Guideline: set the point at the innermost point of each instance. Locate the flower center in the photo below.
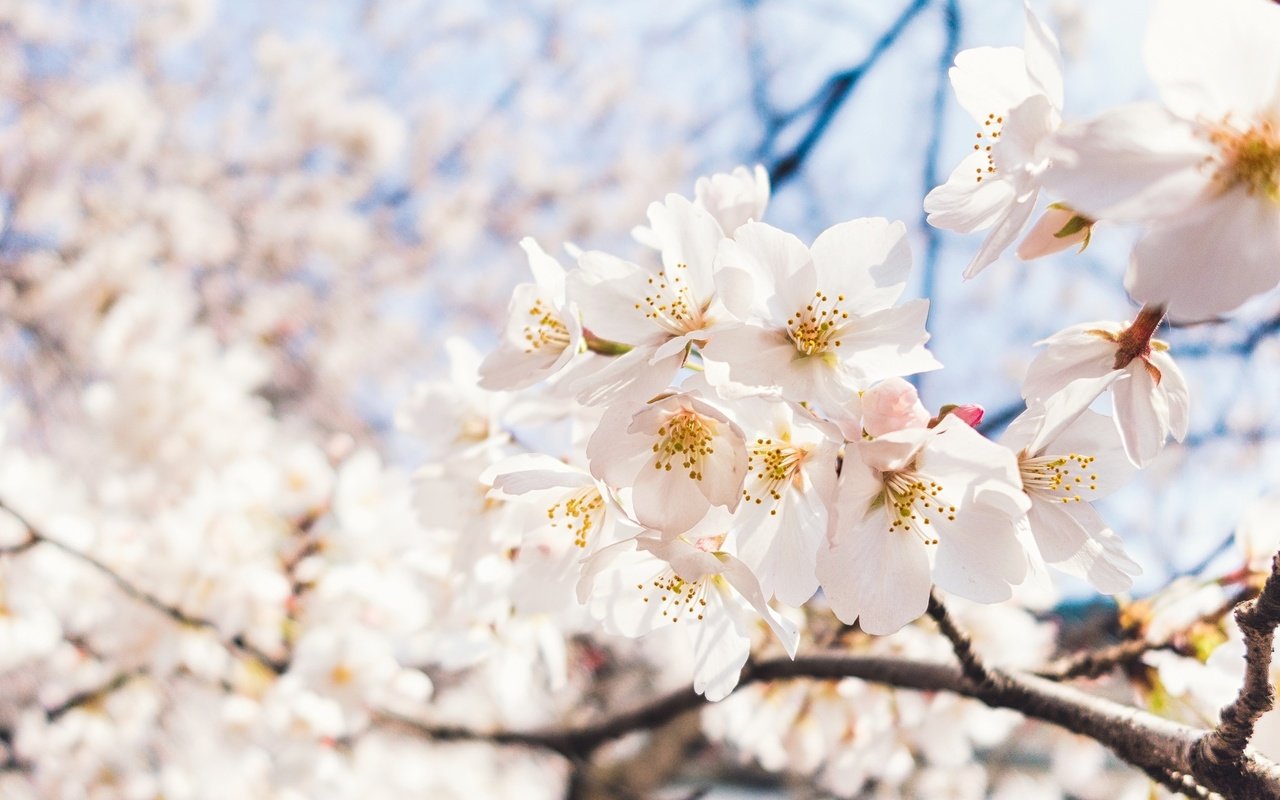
(1249, 158)
(677, 597)
(545, 329)
(910, 502)
(671, 302)
(578, 514)
(988, 134)
(771, 465)
(1059, 477)
(685, 438)
(815, 329)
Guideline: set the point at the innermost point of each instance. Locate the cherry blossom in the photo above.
(644, 583)
(820, 322)
(1150, 394)
(658, 313)
(1202, 168)
(572, 516)
(917, 507)
(733, 198)
(542, 332)
(1015, 96)
(679, 455)
(788, 489)
(1069, 456)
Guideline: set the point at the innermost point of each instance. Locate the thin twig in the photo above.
(236, 643)
(1096, 663)
(970, 663)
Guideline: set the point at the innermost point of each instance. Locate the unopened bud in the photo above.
(970, 413)
(1057, 229)
(892, 405)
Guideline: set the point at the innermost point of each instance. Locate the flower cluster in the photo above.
(1200, 169)
(746, 434)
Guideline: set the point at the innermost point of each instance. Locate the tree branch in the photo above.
(830, 98)
(1096, 663)
(970, 663)
(1220, 752)
(235, 643)
(1159, 747)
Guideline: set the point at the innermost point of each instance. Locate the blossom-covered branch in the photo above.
(235, 644)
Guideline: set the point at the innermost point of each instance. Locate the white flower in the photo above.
(917, 507)
(1015, 96)
(1069, 456)
(821, 323)
(1148, 389)
(573, 516)
(790, 485)
(659, 313)
(678, 454)
(1203, 168)
(733, 198)
(542, 333)
(641, 584)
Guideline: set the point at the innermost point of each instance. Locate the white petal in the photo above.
(979, 556)
(867, 260)
(875, 576)
(990, 80)
(1209, 262)
(1130, 164)
(1211, 61)
(1142, 415)
(1006, 230)
(1062, 409)
(748, 588)
(606, 290)
(632, 376)
(528, 472)
(720, 648)
(1073, 538)
(1178, 395)
(1018, 155)
(779, 542)
(1093, 434)
(688, 237)
(547, 272)
(756, 356)
(1044, 58)
(965, 204)
(1077, 356)
(888, 343)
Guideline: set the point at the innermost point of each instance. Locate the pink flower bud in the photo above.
(1057, 229)
(892, 405)
(970, 413)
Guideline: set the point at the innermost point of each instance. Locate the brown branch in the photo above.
(1096, 663)
(1159, 747)
(1220, 752)
(235, 643)
(970, 663)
